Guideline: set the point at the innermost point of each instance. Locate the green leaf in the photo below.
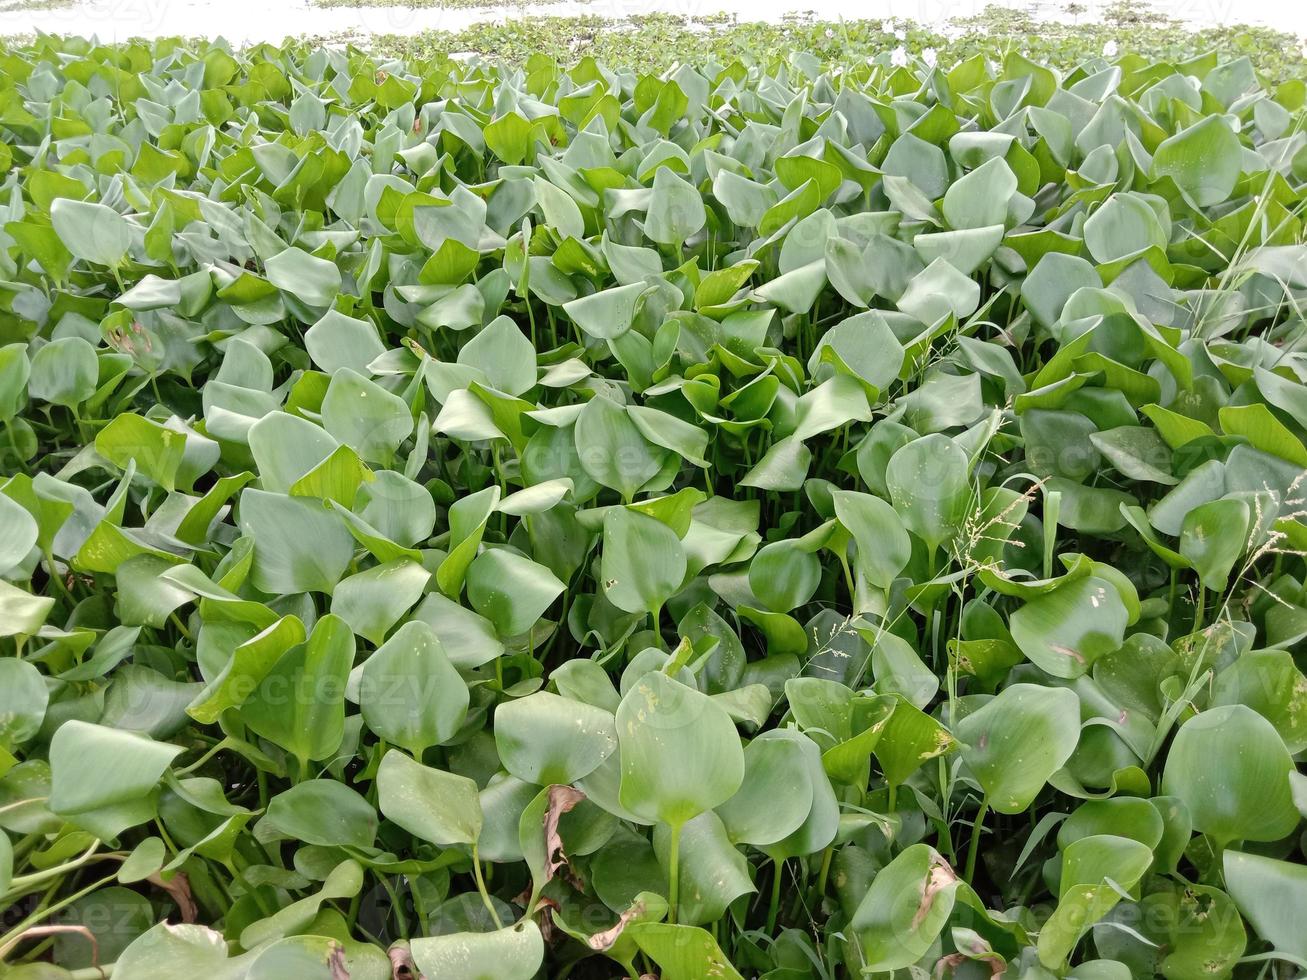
(93, 767)
(683, 952)
(338, 341)
(91, 231)
(1269, 893)
(504, 355)
(300, 702)
(883, 546)
(409, 692)
(298, 545)
(928, 485)
(679, 752)
(775, 797)
(512, 953)
(1231, 770)
(1065, 630)
(323, 812)
(157, 450)
(981, 197)
(1204, 160)
(511, 591)
(1017, 740)
(643, 562)
(544, 738)
(18, 534)
(611, 449)
(23, 702)
(676, 210)
(436, 806)
(373, 601)
(606, 315)
(365, 416)
(315, 281)
(64, 372)
(905, 909)
(1213, 537)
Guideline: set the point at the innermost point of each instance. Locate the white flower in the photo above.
(899, 57)
(887, 26)
(1110, 49)
(830, 32)
(930, 56)
(901, 34)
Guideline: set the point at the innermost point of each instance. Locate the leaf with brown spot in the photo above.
(602, 941)
(336, 962)
(179, 887)
(939, 878)
(402, 966)
(562, 799)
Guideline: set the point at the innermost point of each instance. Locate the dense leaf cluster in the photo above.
(472, 522)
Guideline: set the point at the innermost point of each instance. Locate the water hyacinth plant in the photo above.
(466, 522)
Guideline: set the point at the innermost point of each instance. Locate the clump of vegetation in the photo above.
(755, 519)
(428, 4)
(657, 42)
(13, 6)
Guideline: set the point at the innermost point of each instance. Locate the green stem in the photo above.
(181, 627)
(217, 747)
(419, 904)
(27, 881)
(774, 906)
(1202, 604)
(824, 874)
(56, 579)
(13, 445)
(401, 920)
(11, 938)
(974, 848)
(1170, 597)
(674, 873)
(481, 887)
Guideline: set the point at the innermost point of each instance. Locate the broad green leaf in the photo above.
(612, 450)
(1065, 630)
(643, 562)
(1017, 740)
(94, 767)
(437, 806)
(1231, 770)
(91, 231)
(1269, 893)
(300, 702)
(373, 601)
(511, 591)
(64, 372)
(676, 210)
(905, 909)
(409, 692)
(928, 485)
(323, 812)
(512, 953)
(1213, 538)
(298, 545)
(308, 278)
(1204, 160)
(679, 751)
(544, 738)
